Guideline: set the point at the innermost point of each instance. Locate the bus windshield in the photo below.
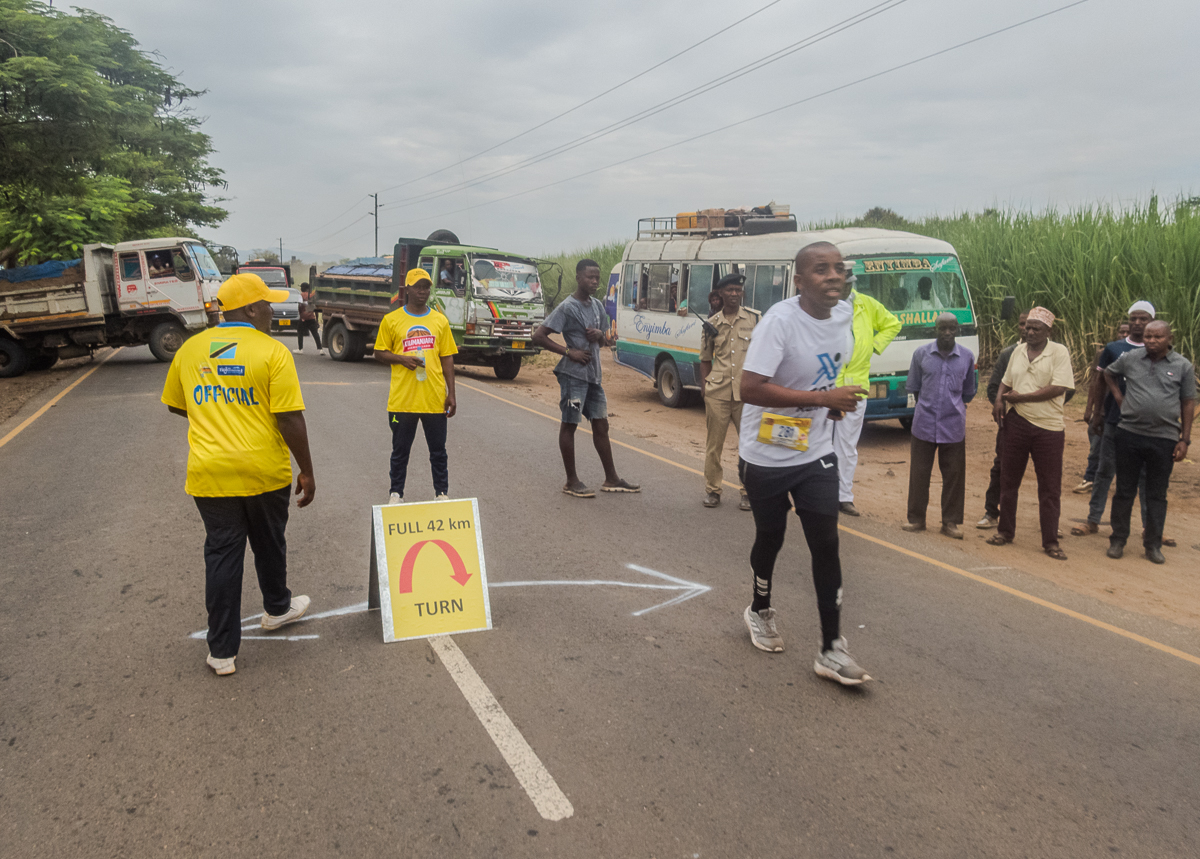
(505, 279)
(916, 289)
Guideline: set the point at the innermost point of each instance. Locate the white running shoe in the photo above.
(395, 498)
(320, 351)
(294, 613)
(221, 666)
(763, 633)
(837, 664)
(440, 495)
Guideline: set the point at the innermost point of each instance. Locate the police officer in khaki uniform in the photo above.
(721, 357)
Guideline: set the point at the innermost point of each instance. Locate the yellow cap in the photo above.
(246, 288)
(417, 275)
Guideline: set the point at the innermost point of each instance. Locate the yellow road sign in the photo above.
(432, 579)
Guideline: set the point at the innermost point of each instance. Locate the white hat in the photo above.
(1145, 306)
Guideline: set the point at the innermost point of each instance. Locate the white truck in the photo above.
(154, 291)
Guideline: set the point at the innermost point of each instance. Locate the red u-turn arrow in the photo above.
(410, 562)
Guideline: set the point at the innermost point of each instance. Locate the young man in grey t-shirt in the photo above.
(581, 320)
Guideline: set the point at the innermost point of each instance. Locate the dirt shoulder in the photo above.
(1170, 591)
(15, 393)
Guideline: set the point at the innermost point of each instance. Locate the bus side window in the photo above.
(768, 286)
(658, 287)
(746, 271)
(629, 285)
(700, 283)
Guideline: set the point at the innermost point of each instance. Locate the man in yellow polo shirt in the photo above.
(239, 391)
(415, 340)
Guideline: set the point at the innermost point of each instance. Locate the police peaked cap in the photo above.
(739, 279)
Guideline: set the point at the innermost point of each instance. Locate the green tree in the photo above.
(97, 140)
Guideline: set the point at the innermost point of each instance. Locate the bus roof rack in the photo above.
(706, 227)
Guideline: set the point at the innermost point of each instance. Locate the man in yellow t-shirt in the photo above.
(239, 391)
(416, 341)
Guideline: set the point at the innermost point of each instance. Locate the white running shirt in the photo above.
(803, 353)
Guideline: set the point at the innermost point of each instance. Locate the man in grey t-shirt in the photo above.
(1154, 432)
(581, 320)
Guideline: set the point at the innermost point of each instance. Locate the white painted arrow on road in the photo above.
(686, 591)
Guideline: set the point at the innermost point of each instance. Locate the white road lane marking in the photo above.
(549, 800)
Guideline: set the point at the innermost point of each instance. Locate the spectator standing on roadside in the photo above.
(415, 340)
(1095, 433)
(238, 388)
(308, 320)
(873, 329)
(942, 378)
(789, 385)
(1106, 413)
(1157, 406)
(721, 357)
(1029, 408)
(582, 321)
(991, 498)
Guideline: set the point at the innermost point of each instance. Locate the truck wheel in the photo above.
(443, 236)
(507, 367)
(906, 423)
(670, 389)
(357, 347)
(14, 358)
(165, 340)
(337, 340)
(43, 360)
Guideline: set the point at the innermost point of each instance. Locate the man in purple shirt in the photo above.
(942, 379)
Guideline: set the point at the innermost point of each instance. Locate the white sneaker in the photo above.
(763, 633)
(297, 351)
(298, 608)
(320, 351)
(395, 498)
(440, 495)
(987, 522)
(221, 666)
(837, 664)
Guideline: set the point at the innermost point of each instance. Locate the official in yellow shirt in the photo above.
(1029, 408)
(416, 341)
(237, 387)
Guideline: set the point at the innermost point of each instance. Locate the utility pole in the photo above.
(375, 214)
(281, 251)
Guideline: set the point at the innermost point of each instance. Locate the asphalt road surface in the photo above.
(997, 726)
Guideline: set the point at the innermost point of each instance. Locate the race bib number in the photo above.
(784, 431)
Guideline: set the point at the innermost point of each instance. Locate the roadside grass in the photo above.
(608, 255)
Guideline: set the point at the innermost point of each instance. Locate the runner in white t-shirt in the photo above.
(789, 386)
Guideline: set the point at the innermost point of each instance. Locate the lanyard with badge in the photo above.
(784, 431)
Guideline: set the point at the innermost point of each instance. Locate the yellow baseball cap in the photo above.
(246, 288)
(415, 276)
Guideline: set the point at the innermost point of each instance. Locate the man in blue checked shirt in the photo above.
(942, 379)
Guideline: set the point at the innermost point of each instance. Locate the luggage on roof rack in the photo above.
(713, 223)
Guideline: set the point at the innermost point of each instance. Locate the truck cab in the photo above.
(175, 275)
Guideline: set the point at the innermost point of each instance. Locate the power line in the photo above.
(342, 215)
(343, 229)
(559, 116)
(758, 116)
(695, 92)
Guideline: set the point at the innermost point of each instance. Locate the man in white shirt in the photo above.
(789, 387)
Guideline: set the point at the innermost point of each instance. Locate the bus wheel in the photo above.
(507, 367)
(906, 423)
(14, 358)
(165, 340)
(670, 390)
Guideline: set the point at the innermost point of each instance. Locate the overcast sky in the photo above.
(314, 105)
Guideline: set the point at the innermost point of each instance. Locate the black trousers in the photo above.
(952, 462)
(1157, 457)
(404, 430)
(228, 523)
(307, 326)
(814, 490)
(991, 498)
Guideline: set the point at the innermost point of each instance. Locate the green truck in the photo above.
(492, 299)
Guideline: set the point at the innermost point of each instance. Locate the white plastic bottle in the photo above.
(421, 367)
